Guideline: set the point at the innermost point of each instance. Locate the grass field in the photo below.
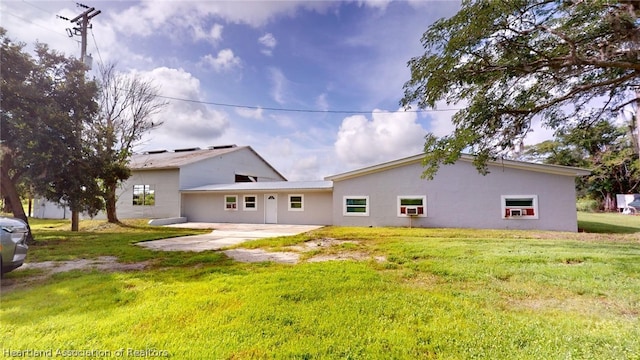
(414, 293)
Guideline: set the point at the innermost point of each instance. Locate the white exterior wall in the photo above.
(459, 197)
(167, 196)
(44, 209)
(222, 169)
(210, 207)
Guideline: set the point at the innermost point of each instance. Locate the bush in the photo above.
(588, 205)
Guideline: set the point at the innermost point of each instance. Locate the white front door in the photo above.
(271, 209)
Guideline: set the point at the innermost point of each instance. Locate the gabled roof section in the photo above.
(543, 168)
(266, 186)
(175, 159)
(160, 160)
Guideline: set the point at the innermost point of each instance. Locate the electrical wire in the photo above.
(311, 111)
(33, 23)
(240, 106)
(95, 43)
(37, 7)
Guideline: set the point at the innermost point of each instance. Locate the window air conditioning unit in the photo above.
(412, 211)
(517, 212)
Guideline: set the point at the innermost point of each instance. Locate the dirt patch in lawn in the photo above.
(350, 255)
(332, 249)
(329, 250)
(259, 255)
(106, 263)
(323, 243)
(42, 270)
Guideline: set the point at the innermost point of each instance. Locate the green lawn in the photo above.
(609, 223)
(415, 293)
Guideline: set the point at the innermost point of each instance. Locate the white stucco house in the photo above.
(235, 184)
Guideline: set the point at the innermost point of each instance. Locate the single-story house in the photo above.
(514, 195)
(235, 184)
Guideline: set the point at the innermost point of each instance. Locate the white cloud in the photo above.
(294, 160)
(186, 124)
(250, 113)
(305, 168)
(376, 4)
(283, 121)
(322, 103)
(441, 124)
(224, 61)
(269, 42)
(213, 35)
(388, 136)
(151, 15)
(538, 133)
(144, 19)
(278, 85)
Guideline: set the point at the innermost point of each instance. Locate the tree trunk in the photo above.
(11, 192)
(75, 220)
(609, 202)
(110, 198)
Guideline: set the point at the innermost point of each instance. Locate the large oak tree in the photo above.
(46, 103)
(510, 62)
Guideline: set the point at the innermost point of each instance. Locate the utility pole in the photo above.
(637, 122)
(82, 24)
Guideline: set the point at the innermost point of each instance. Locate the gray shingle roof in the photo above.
(174, 160)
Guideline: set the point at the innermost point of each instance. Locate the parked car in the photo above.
(13, 243)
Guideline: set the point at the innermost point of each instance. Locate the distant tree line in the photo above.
(610, 151)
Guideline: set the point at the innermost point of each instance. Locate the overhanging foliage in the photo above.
(511, 61)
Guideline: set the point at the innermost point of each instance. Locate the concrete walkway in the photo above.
(224, 235)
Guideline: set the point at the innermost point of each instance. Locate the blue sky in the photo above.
(298, 55)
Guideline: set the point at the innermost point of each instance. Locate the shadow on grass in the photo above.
(605, 228)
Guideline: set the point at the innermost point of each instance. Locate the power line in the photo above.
(312, 111)
(33, 23)
(37, 7)
(91, 12)
(95, 43)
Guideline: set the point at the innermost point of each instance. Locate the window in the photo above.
(296, 203)
(250, 203)
(356, 206)
(231, 202)
(144, 195)
(519, 206)
(412, 205)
